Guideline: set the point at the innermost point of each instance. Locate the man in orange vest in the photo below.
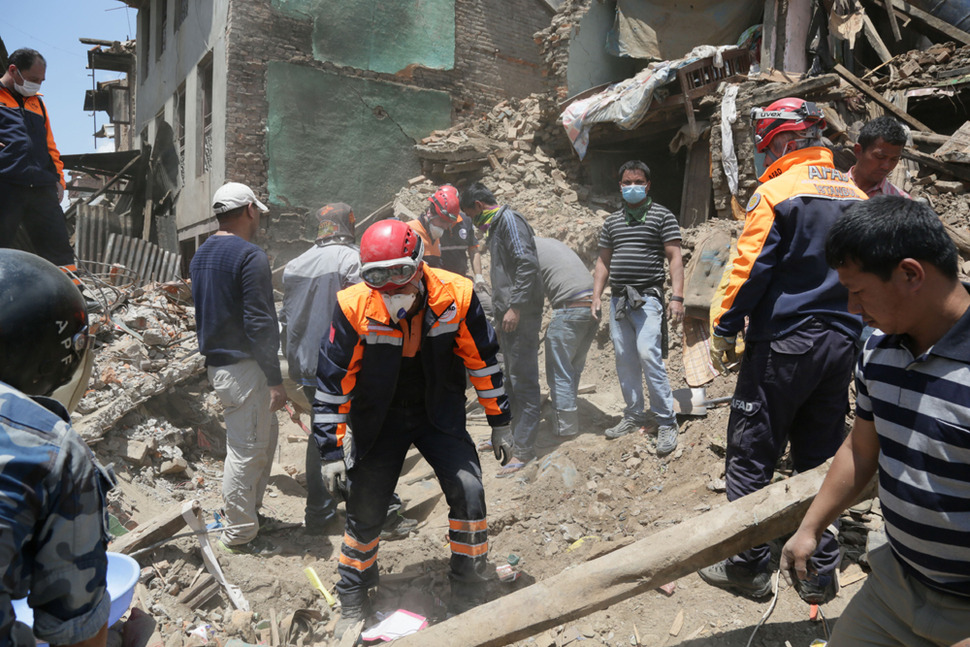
(31, 171)
(392, 369)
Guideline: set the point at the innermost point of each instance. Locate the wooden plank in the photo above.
(874, 39)
(696, 196)
(386, 210)
(769, 37)
(928, 19)
(956, 170)
(958, 142)
(764, 95)
(162, 527)
(881, 100)
(638, 568)
(893, 24)
(199, 592)
(929, 138)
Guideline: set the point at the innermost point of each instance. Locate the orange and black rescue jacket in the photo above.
(28, 154)
(360, 359)
(780, 278)
(432, 248)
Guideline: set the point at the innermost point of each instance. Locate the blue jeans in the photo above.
(568, 339)
(636, 343)
(520, 352)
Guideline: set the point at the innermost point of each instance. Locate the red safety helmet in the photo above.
(444, 203)
(390, 254)
(790, 113)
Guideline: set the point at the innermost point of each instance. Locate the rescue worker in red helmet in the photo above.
(442, 214)
(392, 368)
(800, 344)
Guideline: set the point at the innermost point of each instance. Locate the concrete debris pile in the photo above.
(519, 151)
(144, 347)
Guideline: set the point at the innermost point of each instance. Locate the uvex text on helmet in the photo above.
(43, 324)
(788, 114)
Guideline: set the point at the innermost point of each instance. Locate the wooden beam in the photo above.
(763, 95)
(959, 171)
(162, 527)
(929, 138)
(928, 19)
(875, 40)
(894, 24)
(640, 567)
(881, 100)
(695, 200)
(958, 142)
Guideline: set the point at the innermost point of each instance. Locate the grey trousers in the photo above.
(894, 610)
(251, 435)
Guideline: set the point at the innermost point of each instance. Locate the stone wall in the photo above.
(495, 57)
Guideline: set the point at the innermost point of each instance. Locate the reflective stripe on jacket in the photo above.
(360, 359)
(780, 278)
(28, 154)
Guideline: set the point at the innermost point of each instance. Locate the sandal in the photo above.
(484, 447)
(510, 469)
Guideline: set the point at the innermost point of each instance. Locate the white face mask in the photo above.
(436, 231)
(28, 89)
(398, 305)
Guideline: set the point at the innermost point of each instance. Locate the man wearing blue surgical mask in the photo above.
(633, 244)
(31, 171)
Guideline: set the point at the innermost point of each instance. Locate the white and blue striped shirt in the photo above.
(921, 409)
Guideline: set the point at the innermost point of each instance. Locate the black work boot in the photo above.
(354, 608)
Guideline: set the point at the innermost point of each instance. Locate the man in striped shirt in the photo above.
(912, 423)
(634, 242)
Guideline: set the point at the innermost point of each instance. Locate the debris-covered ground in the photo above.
(150, 412)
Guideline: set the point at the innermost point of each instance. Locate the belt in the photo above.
(582, 303)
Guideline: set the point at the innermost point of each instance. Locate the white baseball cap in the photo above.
(233, 195)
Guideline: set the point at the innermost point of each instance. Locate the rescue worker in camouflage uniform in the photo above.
(52, 489)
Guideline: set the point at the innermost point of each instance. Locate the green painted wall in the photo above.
(335, 138)
(379, 36)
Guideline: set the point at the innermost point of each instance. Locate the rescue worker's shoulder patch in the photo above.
(753, 202)
(449, 314)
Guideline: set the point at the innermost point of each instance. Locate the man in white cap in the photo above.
(239, 337)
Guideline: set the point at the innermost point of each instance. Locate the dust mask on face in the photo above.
(436, 231)
(398, 305)
(28, 89)
(634, 193)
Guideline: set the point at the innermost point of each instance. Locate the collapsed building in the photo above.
(311, 102)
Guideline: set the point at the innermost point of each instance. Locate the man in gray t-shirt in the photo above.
(568, 285)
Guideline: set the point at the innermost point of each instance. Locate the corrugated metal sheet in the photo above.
(144, 260)
(94, 225)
